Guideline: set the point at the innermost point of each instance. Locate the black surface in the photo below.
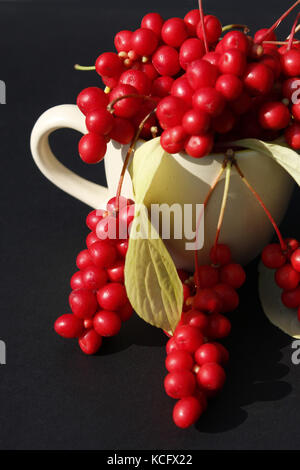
(52, 396)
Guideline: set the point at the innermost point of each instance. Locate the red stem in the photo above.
(277, 23)
(290, 43)
(203, 26)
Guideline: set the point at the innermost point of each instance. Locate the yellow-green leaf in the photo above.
(281, 153)
(284, 318)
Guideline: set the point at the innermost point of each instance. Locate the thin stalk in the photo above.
(224, 201)
(296, 31)
(290, 43)
(277, 23)
(228, 27)
(110, 107)
(267, 212)
(203, 26)
(281, 43)
(84, 67)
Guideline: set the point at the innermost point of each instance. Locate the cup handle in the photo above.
(58, 117)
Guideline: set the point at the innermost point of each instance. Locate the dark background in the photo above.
(51, 395)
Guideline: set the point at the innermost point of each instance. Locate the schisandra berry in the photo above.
(69, 326)
(223, 351)
(230, 86)
(171, 346)
(181, 89)
(272, 256)
(83, 303)
(173, 139)
(218, 327)
(166, 61)
(125, 312)
(94, 277)
(292, 136)
(116, 272)
(201, 73)
(109, 64)
(191, 20)
(94, 217)
(211, 376)
(84, 259)
(90, 99)
(91, 238)
(126, 107)
(122, 41)
(287, 278)
(99, 121)
(213, 29)
(198, 146)
(192, 49)
(233, 62)
(274, 115)
(174, 32)
(291, 298)
(229, 297)
(196, 122)
(208, 99)
(161, 86)
(170, 111)
(187, 411)
(112, 296)
(207, 276)
(290, 63)
(197, 319)
(144, 41)
(76, 281)
(107, 323)
(233, 274)
(188, 338)
(103, 254)
(258, 78)
(137, 79)
(220, 254)
(235, 40)
(295, 260)
(92, 148)
(154, 22)
(123, 131)
(208, 352)
(207, 300)
(180, 383)
(178, 360)
(90, 342)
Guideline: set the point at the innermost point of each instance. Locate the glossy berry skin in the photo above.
(287, 278)
(123, 131)
(92, 148)
(170, 111)
(272, 256)
(290, 63)
(99, 121)
(187, 411)
(76, 281)
(197, 319)
(103, 254)
(126, 107)
(179, 360)
(90, 99)
(116, 272)
(94, 217)
(109, 64)
(235, 40)
(208, 99)
(180, 383)
(198, 146)
(207, 300)
(94, 277)
(242, 104)
(212, 57)
(125, 312)
(228, 296)
(201, 73)
(196, 122)
(174, 32)
(291, 298)
(211, 376)
(233, 274)
(225, 122)
(218, 327)
(223, 351)
(295, 260)
(91, 238)
(68, 326)
(171, 346)
(116, 203)
(122, 247)
(162, 86)
(230, 86)
(220, 254)
(154, 22)
(295, 109)
(137, 79)
(181, 89)
(84, 259)
(122, 41)
(112, 296)
(166, 61)
(83, 303)
(258, 79)
(213, 29)
(90, 342)
(233, 62)
(290, 86)
(107, 323)
(261, 34)
(274, 115)
(292, 136)
(188, 338)
(208, 352)
(173, 139)
(192, 49)
(144, 41)
(207, 276)
(191, 20)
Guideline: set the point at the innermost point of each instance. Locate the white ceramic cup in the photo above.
(180, 179)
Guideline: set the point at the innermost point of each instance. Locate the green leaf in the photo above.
(281, 153)
(151, 280)
(270, 296)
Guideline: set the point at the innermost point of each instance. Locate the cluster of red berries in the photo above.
(286, 262)
(195, 358)
(98, 300)
(205, 88)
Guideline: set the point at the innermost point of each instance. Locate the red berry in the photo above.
(291, 298)
(220, 254)
(213, 29)
(84, 259)
(90, 342)
(180, 383)
(107, 323)
(188, 338)
(196, 122)
(122, 41)
(225, 122)
(208, 99)
(274, 115)
(295, 260)
(125, 312)
(218, 326)
(174, 32)
(212, 57)
(83, 303)
(154, 22)
(230, 86)
(173, 139)
(223, 351)
(91, 98)
(273, 63)
(149, 70)
(91, 238)
(179, 360)
(290, 63)
(162, 86)
(272, 256)
(207, 276)
(103, 254)
(191, 50)
(126, 107)
(170, 111)
(94, 277)
(233, 62)
(211, 376)
(112, 296)
(228, 296)
(198, 146)
(69, 326)
(258, 78)
(208, 352)
(201, 73)
(166, 61)
(242, 104)
(207, 300)
(187, 411)
(109, 64)
(137, 79)
(235, 40)
(116, 272)
(286, 277)
(94, 217)
(293, 244)
(99, 121)
(197, 319)
(123, 131)
(116, 203)
(144, 41)
(261, 34)
(233, 274)
(122, 247)
(290, 86)
(92, 148)
(296, 111)
(76, 281)
(191, 20)
(181, 89)
(292, 136)
(171, 346)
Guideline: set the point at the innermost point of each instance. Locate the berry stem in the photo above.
(281, 43)
(228, 27)
(277, 23)
(224, 200)
(203, 26)
(110, 106)
(84, 67)
(211, 190)
(296, 31)
(291, 38)
(267, 212)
